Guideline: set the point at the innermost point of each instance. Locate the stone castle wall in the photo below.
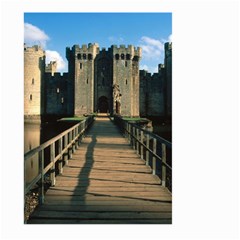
(82, 76)
(168, 78)
(34, 67)
(126, 76)
(56, 89)
(152, 94)
(103, 74)
(97, 80)
(51, 67)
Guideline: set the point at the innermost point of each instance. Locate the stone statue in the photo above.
(116, 93)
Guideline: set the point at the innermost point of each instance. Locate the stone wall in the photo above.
(156, 90)
(106, 80)
(56, 89)
(83, 76)
(51, 67)
(126, 76)
(103, 81)
(168, 77)
(34, 66)
(94, 73)
(156, 96)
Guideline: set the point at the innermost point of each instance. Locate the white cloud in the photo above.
(151, 48)
(144, 67)
(170, 38)
(34, 36)
(150, 69)
(55, 56)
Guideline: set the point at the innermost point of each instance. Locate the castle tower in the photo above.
(34, 68)
(126, 80)
(81, 73)
(51, 67)
(168, 78)
(104, 81)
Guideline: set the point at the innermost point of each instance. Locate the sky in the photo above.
(56, 31)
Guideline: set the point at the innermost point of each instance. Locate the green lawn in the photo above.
(133, 118)
(76, 118)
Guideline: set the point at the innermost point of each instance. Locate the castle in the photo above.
(106, 81)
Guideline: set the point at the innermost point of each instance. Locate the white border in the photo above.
(205, 104)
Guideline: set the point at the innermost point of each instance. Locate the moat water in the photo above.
(36, 134)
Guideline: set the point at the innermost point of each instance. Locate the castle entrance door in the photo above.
(103, 105)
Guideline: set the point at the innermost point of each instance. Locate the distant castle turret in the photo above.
(51, 67)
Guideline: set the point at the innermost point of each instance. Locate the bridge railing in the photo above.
(54, 151)
(156, 151)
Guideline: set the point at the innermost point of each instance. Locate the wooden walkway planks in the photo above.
(105, 182)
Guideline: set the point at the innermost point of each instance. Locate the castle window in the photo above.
(89, 56)
(62, 100)
(30, 97)
(122, 56)
(80, 65)
(103, 82)
(128, 56)
(79, 56)
(125, 63)
(126, 81)
(32, 81)
(84, 56)
(117, 56)
(58, 90)
(87, 80)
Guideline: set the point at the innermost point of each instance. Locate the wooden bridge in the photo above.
(104, 181)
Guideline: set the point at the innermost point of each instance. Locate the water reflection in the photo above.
(32, 135)
(36, 134)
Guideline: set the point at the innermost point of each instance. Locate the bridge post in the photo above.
(41, 168)
(128, 132)
(80, 134)
(76, 134)
(141, 144)
(65, 156)
(70, 148)
(137, 141)
(73, 144)
(147, 152)
(52, 156)
(60, 167)
(154, 158)
(134, 140)
(164, 160)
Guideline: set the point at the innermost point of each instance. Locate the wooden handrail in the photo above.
(66, 146)
(135, 135)
(150, 150)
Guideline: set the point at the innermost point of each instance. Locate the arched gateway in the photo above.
(103, 105)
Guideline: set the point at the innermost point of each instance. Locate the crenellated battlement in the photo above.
(91, 47)
(89, 52)
(34, 48)
(85, 52)
(126, 52)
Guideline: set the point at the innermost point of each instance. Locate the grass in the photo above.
(75, 118)
(133, 118)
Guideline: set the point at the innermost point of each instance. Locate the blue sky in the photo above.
(56, 31)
